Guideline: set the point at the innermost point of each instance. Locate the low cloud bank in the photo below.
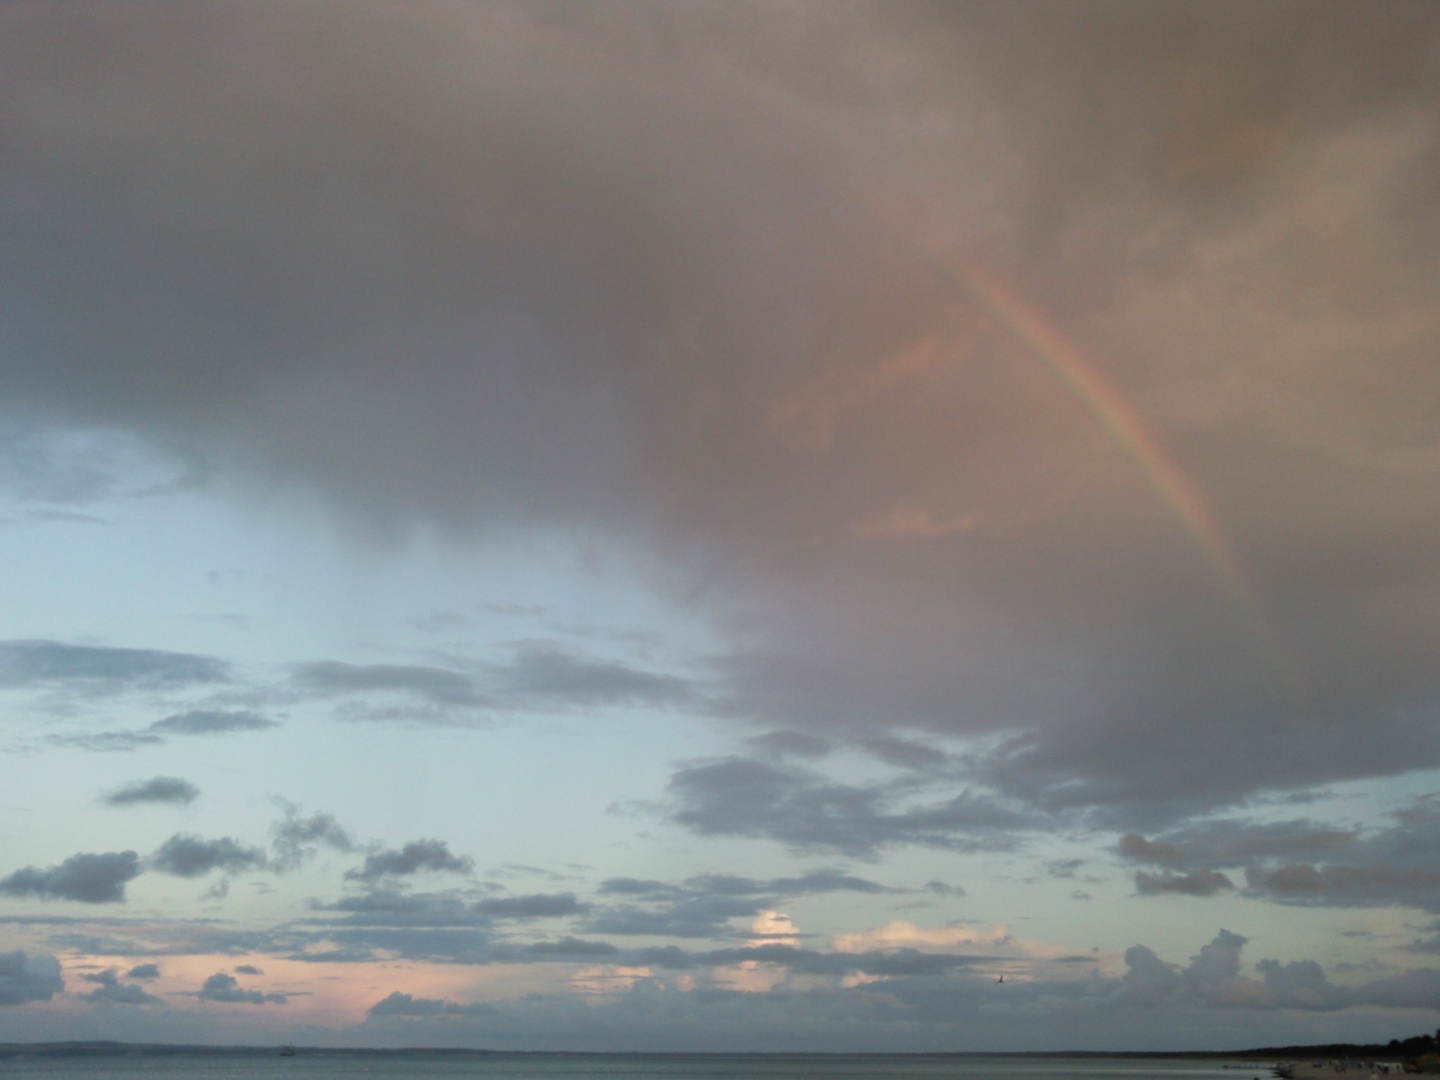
(24, 979)
(111, 991)
(226, 990)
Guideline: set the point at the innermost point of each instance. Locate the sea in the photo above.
(432, 1065)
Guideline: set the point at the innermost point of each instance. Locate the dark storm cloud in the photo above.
(416, 857)
(224, 988)
(1294, 75)
(1234, 843)
(689, 282)
(1134, 846)
(102, 670)
(193, 856)
(210, 722)
(1197, 883)
(111, 991)
(24, 979)
(87, 878)
(161, 789)
(743, 797)
(144, 971)
(905, 753)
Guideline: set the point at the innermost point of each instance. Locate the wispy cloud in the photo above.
(165, 790)
(94, 669)
(209, 722)
(416, 857)
(745, 797)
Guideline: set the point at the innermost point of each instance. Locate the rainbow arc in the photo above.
(1124, 425)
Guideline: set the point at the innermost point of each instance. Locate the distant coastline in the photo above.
(106, 1048)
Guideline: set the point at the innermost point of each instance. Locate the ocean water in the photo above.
(332, 1065)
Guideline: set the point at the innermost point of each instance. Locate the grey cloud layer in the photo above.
(1301, 862)
(402, 1004)
(386, 907)
(24, 979)
(1214, 977)
(703, 906)
(194, 856)
(225, 989)
(923, 995)
(101, 878)
(294, 839)
(418, 856)
(451, 928)
(72, 673)
(744, 797)
(103, 670)
(210, 722)
(689, 283)
(161, 789)
(87, 878)
(541, 674)
(111, 991)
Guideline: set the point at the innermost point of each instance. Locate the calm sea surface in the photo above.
(323, 1064)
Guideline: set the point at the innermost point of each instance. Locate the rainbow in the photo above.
(1125, 427)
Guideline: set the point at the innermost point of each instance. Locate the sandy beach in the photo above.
(1324, 1070)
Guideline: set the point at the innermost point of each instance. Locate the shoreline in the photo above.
(113, 1048)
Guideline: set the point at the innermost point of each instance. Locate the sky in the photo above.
(720, 526)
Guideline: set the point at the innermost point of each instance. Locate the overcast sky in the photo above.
(720, 526)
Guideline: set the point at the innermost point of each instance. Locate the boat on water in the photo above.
(288, 1051)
